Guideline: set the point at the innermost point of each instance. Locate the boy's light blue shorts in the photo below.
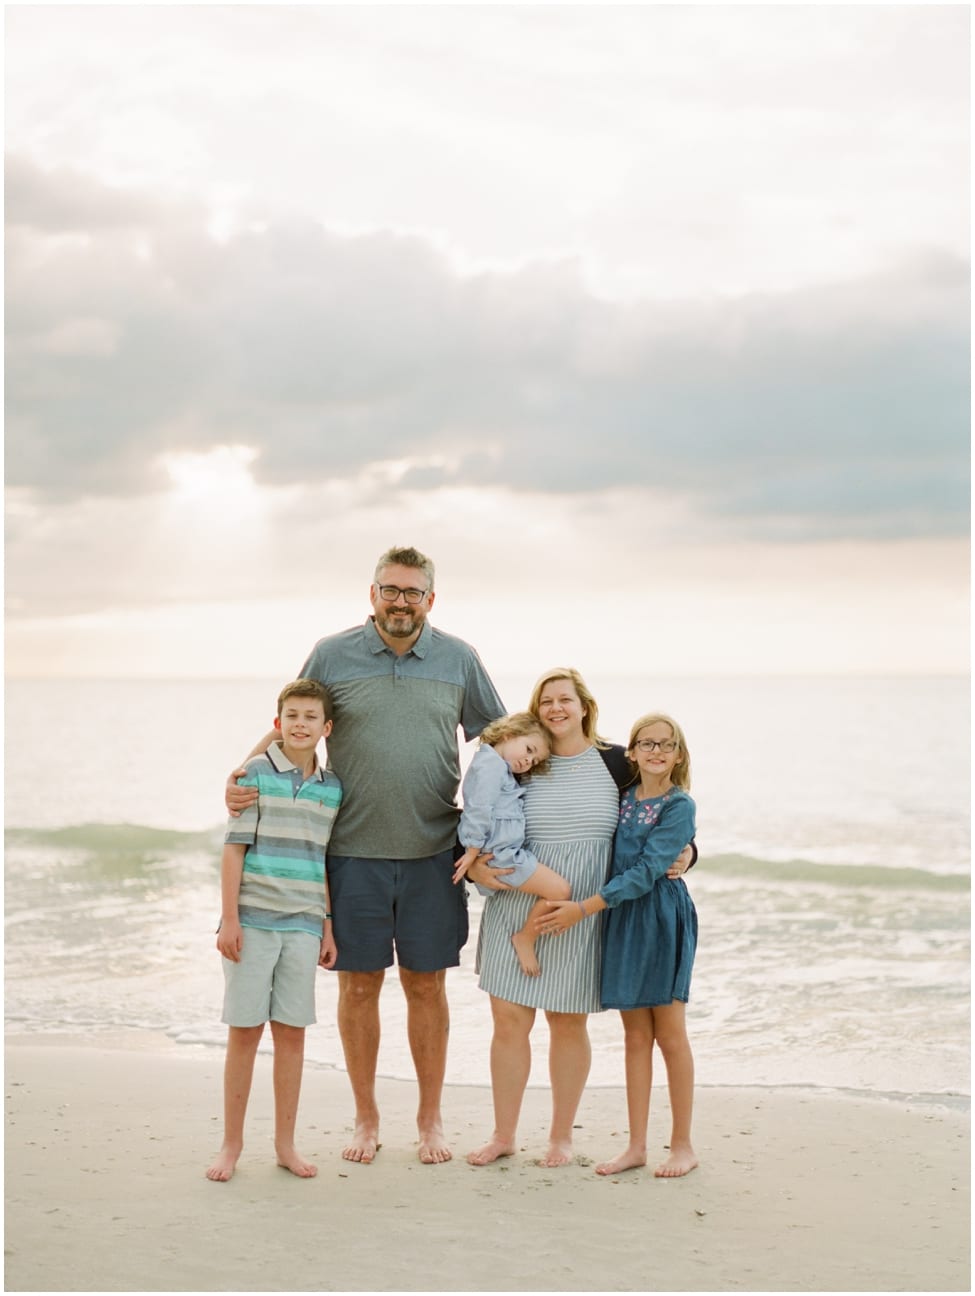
(274, 980)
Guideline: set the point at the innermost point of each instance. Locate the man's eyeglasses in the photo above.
(390, 593)
(649, 745)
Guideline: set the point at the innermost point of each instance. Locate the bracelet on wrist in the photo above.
(582, 908)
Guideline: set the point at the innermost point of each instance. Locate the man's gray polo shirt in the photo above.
(394, 743)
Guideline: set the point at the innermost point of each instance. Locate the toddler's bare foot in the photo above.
(558, 1154)
(364, 1146)
(681, 1161)
(525, 949)
(224, 1166)
(631, 1159)
(433, 1149)
(493, 1150)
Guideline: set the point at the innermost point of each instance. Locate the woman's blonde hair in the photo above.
(590, 711)
(520, 724)
(681, 773)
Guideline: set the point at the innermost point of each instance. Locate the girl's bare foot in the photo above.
(224, 1166)
(525, 949)
(290, 1159)
(364, 1146)
(681, 1161)
(558, 1154)
(493, 1150)
(631, 1159)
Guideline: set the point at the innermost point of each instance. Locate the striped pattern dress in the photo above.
(571, 814)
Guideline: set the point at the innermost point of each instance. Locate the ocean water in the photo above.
(833, 883)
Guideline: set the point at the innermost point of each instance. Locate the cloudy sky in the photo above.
(649, 323)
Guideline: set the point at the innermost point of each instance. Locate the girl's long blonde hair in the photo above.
(681, 773)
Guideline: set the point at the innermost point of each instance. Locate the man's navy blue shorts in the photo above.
(412, 905)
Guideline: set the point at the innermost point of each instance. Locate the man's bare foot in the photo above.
(433, 1149)
(364, 1146)
(290, 1159)
(493, 1150)
(681, 1161)
(222, 1170)
(525, 949)
(558, 1154)
(631, 1159)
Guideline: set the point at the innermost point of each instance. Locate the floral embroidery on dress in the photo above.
(645, 813)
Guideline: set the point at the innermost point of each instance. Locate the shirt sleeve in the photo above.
(665, 841)
(242, 831)
(482, 786)
(481, 701)
(314, 665)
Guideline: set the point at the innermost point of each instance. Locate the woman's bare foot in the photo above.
(525, 949)
(630, 1159)
(364, 1146)
(493, 1150)
(290, 1159)
(222, 1170)
(681, 1161)
(433, 1149)
(558, 1154)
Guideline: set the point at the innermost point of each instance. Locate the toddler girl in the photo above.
(493, 819)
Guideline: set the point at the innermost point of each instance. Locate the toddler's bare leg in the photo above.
(547, 885)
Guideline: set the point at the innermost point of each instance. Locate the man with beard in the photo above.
(400, 689)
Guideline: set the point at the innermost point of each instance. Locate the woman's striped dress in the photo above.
(571, 815)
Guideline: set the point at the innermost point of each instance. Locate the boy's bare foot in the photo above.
(222, 1170)
(525, 949)
(290, 1159)
(681, 1161)
(433, 1149)
(631, 1159)
(558, 1154)
(364, 1146)
(493, 1150)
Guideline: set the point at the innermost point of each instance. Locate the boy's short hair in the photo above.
(306, 688)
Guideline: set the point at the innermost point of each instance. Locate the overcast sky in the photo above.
(649, 323)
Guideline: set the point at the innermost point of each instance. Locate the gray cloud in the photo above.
(839, 411)
(69, 201)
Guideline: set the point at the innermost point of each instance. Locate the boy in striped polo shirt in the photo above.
(275, 927)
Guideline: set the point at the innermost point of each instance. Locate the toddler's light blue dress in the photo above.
(493, 817)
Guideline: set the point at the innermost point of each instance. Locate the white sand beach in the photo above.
(106, 1151)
